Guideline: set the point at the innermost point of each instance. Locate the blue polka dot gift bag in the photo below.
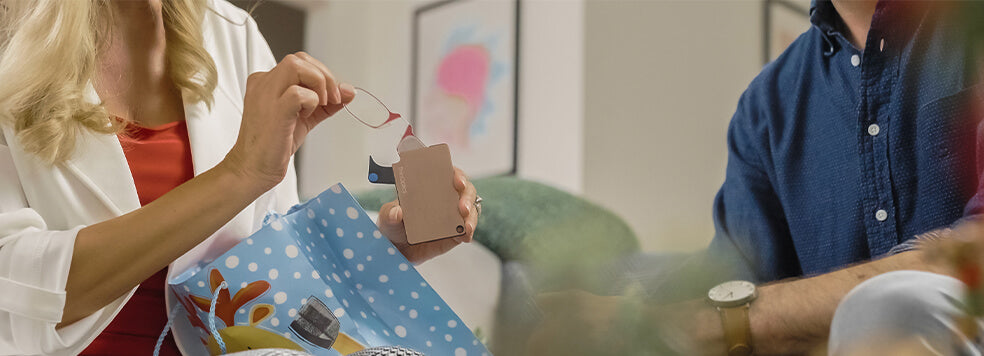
(320, 279)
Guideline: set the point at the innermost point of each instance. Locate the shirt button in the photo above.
(881, 215)
(855, 60)
(882, 45)
(873, 129)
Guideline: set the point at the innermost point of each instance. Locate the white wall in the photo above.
(662, 81)
(368, 43)
(626, 102)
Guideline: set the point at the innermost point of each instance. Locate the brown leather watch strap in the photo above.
(737, 331)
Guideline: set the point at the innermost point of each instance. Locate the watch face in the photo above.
(732, 293)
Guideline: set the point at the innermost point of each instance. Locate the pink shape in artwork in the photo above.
(464, 72)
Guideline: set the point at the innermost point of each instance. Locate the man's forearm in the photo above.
(794, 316)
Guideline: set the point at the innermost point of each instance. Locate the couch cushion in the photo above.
(560, 234)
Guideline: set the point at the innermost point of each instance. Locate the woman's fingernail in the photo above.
(338, 96)
(347, 87)
(394, 214)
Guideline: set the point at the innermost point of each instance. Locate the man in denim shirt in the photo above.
(857, 139)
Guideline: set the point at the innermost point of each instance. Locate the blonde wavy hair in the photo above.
(48, 51)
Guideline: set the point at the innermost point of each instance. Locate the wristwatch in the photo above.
(732, 300)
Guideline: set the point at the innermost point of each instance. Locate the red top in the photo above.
(160, 160)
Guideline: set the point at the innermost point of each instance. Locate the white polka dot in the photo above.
(403, 307)
(324, 222)
(303, 301)
(391, 251)
(329, 293)
(337, 189)
(201, 284)
(331, 211)
(242, 311)
(475, 342)
(297, 275)
(460, 352)
(413, 314)
(429, 344)
(400, 331)
(368, 258)
(291, 251)
(249, 241)
(309, 250)
(267, 251)
(243, 285)
(310, 214)
(314, 274)
(348, 274)
(336, 278)
(387, 333)
(339, 312)
(273, 273)
(292, 312)
(274, 321)
(309, 231)
(358, 286)
(187, 289)
(364, 316)
(377, 234)
(359, 234)
(287, 335)
(448, 337)
(232, 261)
(352, 213)
(383, 278)
(452, 324)
(276, 225)
(404, 267)
(360, 267)
(372, 300)
(322, 235)
(432, 329)
(436, 308)
(414, 295)
(348, 253)
(422, 284)
(280, 298)
(391, 292)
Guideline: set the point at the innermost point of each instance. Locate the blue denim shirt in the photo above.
(836, 155)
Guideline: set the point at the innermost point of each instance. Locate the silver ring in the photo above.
(478, 204)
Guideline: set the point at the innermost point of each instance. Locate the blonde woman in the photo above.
(137, 135)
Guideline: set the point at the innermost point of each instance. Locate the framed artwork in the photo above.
(465, 70)
(785, 20)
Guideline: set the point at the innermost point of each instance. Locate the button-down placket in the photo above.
(879, 73)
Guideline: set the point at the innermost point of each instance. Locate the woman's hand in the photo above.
(281, 107)
(391, 224)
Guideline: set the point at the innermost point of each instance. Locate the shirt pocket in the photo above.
(957, 115)
(952, 133)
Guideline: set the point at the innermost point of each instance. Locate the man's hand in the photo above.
(391, 224)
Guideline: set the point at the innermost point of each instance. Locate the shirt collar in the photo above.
(824, 17)
(897, 19)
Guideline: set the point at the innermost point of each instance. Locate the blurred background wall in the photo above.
(624, 102)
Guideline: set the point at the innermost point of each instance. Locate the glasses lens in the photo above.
(367, 109)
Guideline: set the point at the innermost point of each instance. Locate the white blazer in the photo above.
(43, 207)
